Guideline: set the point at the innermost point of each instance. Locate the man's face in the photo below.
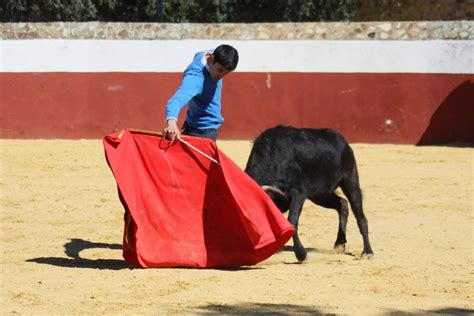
(217, 71)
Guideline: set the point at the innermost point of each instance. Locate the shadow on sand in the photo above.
(321, 251)
(260, 309)
(73, 248)
(292, 309)
(441, 311)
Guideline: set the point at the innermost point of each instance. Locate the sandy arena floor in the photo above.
(62, 229)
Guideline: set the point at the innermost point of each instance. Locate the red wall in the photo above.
(421, 108)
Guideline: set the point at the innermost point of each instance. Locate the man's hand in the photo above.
(171, 131)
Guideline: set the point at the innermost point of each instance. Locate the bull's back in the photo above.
(286, 152)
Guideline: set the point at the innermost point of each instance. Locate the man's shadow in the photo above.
(452, 124)
(73, 248)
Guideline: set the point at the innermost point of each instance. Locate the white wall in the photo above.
(454, 56)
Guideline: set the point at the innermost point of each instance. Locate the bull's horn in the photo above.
(269, 188)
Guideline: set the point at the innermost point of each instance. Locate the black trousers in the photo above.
(204, 133)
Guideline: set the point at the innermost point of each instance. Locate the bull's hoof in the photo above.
(340, 248)
(301, 256)
(369, 256)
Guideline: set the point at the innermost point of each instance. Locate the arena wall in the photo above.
(400, 82)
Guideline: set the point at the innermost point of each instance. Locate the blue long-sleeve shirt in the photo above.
(201, 93)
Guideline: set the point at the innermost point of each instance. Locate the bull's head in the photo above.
(281, 200)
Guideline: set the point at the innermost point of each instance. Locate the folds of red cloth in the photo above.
(184, 210)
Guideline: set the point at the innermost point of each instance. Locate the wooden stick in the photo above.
(144, 131)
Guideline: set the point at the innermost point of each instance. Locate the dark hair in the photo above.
(227, 56)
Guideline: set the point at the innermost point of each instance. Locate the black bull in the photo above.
(293, 165)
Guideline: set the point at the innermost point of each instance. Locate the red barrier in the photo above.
(365, 107)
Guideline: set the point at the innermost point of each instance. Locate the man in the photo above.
(201, 90)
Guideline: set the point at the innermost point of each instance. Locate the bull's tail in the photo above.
(350, 184)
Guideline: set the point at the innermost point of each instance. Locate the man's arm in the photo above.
(189, 88)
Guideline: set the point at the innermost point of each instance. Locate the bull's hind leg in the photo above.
(340, 205)
(351, 189)
(296, 205)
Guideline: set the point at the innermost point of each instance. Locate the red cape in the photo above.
(183, 210)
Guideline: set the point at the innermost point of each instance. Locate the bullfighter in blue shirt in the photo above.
(201, 90)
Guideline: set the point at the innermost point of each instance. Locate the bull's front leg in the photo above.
(296, 205)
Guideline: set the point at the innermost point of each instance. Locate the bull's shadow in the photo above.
(73, 248)
(315, 250)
